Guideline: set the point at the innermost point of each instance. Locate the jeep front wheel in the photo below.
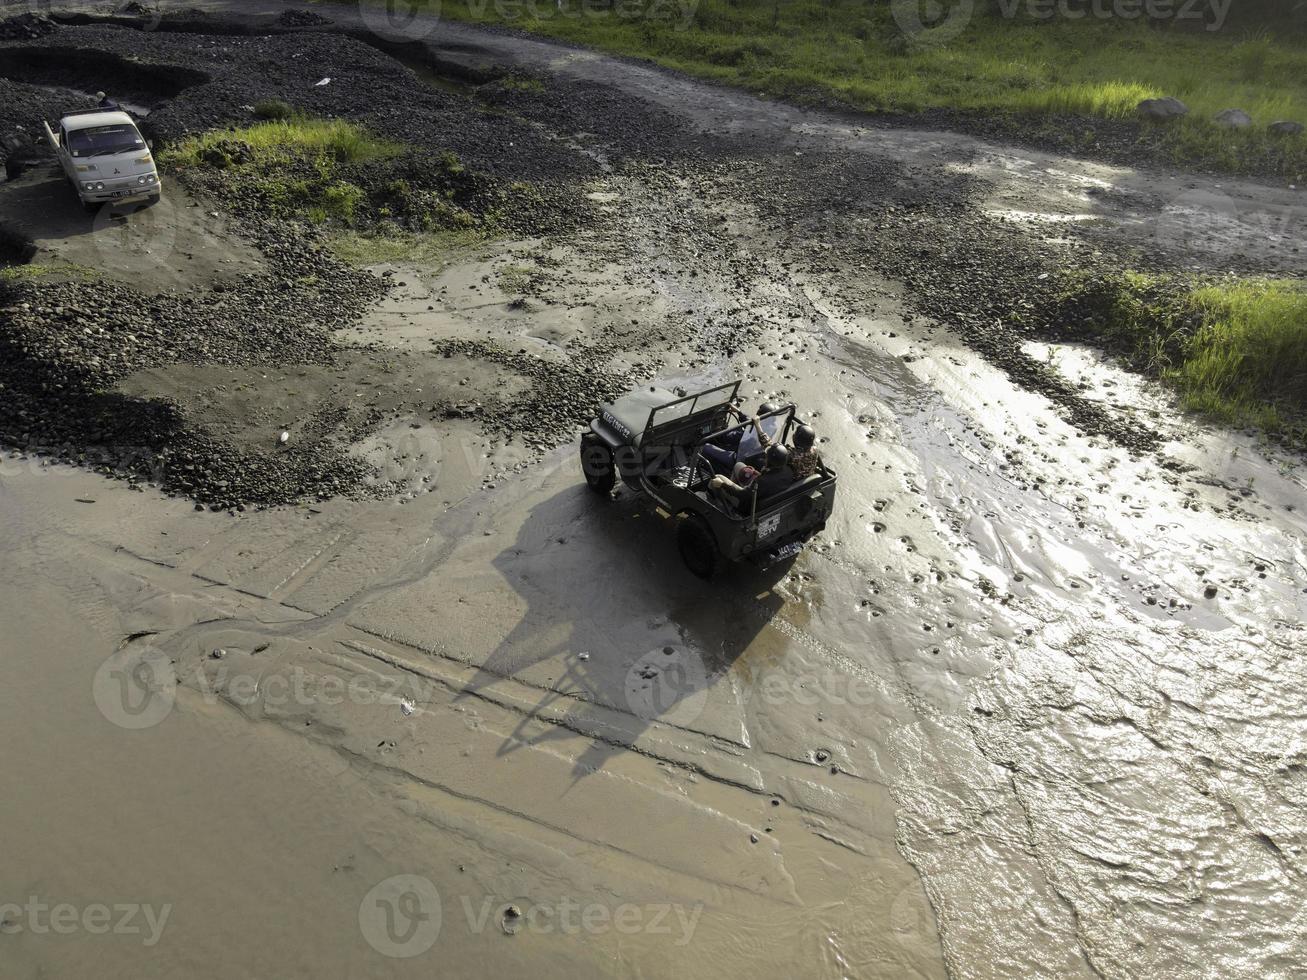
(597, 465)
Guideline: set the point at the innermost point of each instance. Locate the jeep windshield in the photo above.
(99, 141)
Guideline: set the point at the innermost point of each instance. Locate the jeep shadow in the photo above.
(642, 643)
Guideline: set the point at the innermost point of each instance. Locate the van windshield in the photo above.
(96, 141)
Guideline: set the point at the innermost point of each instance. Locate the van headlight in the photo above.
(88, 186)
(146, 179)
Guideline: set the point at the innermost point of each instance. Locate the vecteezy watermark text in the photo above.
(402, 917)
(1121, 10)
(939, 21)
(42, 918)
(415, 20)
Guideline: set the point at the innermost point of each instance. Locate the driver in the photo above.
(745, 442)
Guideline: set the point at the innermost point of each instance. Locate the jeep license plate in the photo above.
(791, 549)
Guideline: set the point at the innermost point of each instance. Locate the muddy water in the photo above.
(1030, 707)
(992, 723)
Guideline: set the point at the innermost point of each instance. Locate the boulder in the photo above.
(1285, 127)
(24, 26)
(1233, 119)
(227, 153)
(1163, 109)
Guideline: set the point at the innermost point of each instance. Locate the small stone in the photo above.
(1163, 109)
(1233, 119)
(1285, 127)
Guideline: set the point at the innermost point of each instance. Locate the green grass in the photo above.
(36, 271)
(1235, 350)
(337, 175)
(326, 141)
(294, 164)
(854, 53)
(426, 249)
(274, 109)
(1248, 361)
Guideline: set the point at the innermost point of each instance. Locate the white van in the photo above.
(105, 158)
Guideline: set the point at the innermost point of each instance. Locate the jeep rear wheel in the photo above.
(698, 547)
(597, 465)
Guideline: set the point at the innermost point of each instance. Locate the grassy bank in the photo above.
(375, 194)
(326, 142)
(854, 53)
(1235, 350)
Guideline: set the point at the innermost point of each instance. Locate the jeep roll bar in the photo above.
(787, 410)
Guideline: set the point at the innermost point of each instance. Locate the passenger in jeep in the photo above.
(805, 460)
(775, 476)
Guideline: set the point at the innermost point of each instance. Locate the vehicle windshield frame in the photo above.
(116, 132)
(730, 389)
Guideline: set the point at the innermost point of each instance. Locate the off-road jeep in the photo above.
(652, 438)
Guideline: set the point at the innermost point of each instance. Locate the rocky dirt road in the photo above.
(1031, 706)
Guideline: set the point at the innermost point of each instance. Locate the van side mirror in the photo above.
(149, 144)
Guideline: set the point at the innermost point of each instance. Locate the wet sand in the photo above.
(1031, 705)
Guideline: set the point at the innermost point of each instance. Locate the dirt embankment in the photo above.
(87, 314)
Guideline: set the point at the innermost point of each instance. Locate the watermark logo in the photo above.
(138, 232)
(932, 21)
(568, 917)
(1209, 222)
(929, 22)
(669, 684)
(816, 688)
(276, 690)
(910, 919)
(400, 20)
(416, 20)
(1212, 12)
(135, 687)
(41, 918)
(400, 917)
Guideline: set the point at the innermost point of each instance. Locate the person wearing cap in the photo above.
(773, 477)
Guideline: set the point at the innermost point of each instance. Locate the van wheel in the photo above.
(90, 207)
(597, 465)
(698, 547)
